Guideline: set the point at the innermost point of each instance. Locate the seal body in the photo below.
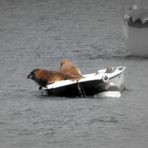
(69, 68)
(43, 77)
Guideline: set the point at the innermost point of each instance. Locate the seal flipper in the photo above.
(40, 87)
(42, 83)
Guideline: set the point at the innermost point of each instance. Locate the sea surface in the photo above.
(39, 34)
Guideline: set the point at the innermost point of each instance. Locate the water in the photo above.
(40, 34)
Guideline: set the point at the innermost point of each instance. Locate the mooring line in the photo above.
(81, 90)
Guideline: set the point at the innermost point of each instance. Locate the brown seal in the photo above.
(69, 68)
(43, 77)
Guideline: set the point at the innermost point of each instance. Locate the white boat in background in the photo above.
(107, 82)
(135, 30)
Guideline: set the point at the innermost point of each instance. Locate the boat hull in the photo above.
(81, 89)
(92, 84)
(135, 30)
(136, 40)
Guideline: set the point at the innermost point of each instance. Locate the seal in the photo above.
(69, 68)
(44, 77)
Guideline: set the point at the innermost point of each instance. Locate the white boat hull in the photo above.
(135, 30)
(136, 40)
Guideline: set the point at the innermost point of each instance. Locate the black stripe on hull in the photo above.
(81, 89)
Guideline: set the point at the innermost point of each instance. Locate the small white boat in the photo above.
(135, 30)
(107, 81)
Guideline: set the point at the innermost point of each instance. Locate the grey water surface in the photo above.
(40, 33)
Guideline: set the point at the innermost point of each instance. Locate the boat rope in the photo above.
(81, 90)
